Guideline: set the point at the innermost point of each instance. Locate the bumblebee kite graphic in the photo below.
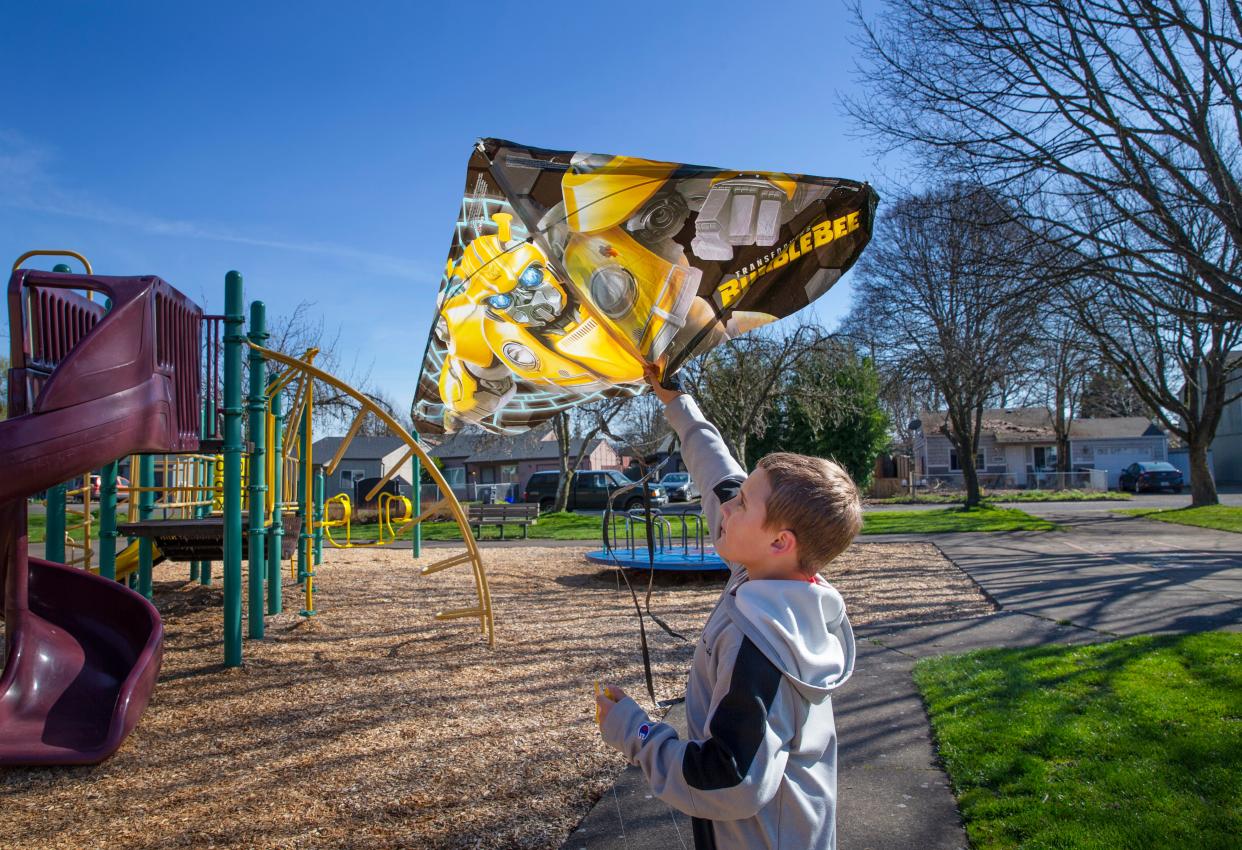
(569, 271)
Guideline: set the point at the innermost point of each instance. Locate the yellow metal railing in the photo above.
(306, 374)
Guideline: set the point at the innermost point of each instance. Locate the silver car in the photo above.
(680, 487)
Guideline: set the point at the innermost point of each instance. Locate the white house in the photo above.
(1018, 448)
(1227, 444)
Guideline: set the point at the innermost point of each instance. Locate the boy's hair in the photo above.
(817, 500)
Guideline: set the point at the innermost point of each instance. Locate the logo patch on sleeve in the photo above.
(644, 731)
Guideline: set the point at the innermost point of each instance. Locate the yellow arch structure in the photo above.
(484, 608)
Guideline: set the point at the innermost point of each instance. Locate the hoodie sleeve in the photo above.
(707, 457)
(737, 770)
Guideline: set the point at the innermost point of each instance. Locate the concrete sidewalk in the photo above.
(1103, 576)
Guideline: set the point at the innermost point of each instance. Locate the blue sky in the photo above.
(320, 148)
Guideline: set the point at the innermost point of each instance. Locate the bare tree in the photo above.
(948, 293)
(1114, 125)
(1106, 392)
(1176, 360)
(297, 332)
(737, 383)
(582, 425)
(1062, 357)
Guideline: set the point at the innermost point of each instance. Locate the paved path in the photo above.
(1101, 577)
(1121, 576)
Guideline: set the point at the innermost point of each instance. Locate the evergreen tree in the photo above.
(832, 409)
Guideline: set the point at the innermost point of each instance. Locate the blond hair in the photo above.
(817, 500)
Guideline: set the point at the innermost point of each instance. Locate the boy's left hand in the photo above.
(605, 698)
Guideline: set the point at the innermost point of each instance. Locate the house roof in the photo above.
(362, 448)
(487, 448)
(1034, 425)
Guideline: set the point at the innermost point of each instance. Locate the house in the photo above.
(1018, 447)
(1226, 449)
(365, 457)
(470, 460)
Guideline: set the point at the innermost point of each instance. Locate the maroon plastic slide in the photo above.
(88, 385)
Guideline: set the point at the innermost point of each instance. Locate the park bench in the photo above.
(499, 514)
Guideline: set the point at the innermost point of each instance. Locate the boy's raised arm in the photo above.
(707, 457)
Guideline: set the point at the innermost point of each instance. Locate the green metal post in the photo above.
(318, 516)
(146, 507)
(54, 545)
(107, 521)
(234, 342)
(277, 533)
(304, 509)
(258, 487)
(418, 505)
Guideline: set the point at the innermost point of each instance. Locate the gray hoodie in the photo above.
(759, 768)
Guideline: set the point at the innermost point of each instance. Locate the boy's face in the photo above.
(744, 539)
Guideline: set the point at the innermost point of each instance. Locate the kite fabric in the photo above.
(569, 271)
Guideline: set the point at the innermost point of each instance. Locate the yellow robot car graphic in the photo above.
(506, 317)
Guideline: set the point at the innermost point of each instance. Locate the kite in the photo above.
(569, 271)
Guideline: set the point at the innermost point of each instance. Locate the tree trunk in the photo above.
(970, 478)
(1202, 487)
(561, 424)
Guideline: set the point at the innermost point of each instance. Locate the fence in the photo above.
(1083, 479)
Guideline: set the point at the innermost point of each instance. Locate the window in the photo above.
(1045, 457)
(350, 477)
(508, 472)
(957, 467)
(591, 481)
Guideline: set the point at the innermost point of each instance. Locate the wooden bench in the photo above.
(523, 514)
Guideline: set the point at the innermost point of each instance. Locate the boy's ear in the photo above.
(785, 541)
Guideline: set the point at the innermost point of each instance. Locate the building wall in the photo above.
(1227, 445)
(333, 484)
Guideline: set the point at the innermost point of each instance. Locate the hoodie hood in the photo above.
(801, 627)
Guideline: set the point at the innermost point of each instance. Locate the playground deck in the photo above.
(372, 725)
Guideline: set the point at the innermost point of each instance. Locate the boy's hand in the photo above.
(605, 698)
(651, 371)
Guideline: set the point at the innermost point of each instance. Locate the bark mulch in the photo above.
(372, 725)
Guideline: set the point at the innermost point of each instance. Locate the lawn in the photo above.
(1135, 743)
(571, 526)
(1220, 517)
(1010, 496)
(983, 518)
(36, 525)
(558, 526)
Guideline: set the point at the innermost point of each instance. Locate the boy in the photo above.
(759, 770)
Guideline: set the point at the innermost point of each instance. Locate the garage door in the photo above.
(1113, 459)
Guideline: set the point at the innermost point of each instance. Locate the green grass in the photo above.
(1220, 517)
(984, 518)
(36, 525)
(1010, 496)
(1135, 743)
(557, 526)
(571, 526)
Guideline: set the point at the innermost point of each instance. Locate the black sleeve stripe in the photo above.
(737, 727)
(704, 835)
(727, 489)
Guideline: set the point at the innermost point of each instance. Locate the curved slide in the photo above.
(82, 652)
(127, 560)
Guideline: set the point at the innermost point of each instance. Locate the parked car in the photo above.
(591, 490)
(680, 487)
(1151, 475)
(122, 488)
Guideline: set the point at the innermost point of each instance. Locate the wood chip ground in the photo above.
(372, 725)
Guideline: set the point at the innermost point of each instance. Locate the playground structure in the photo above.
(387, 501)
(683, 550)
(142, 373)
